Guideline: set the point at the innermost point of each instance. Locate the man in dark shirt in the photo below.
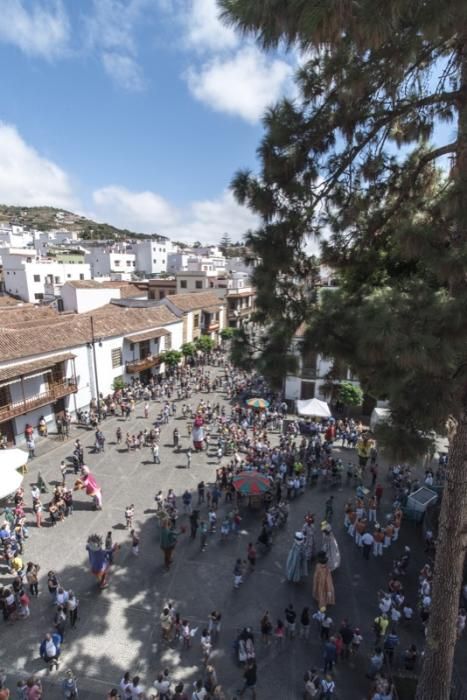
(290, 617)
(250, 680)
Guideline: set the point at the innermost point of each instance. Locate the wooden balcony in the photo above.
(141, 365)
(56, 391)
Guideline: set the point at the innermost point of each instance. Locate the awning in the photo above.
(211, 310)
(9, 482)
(313, 407)
(12, 459)
(147, 335)
(29, 368)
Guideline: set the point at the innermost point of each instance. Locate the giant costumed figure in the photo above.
(323, 587)
(90, 485)
(100, 559)
(330, 546)
(197, 433)
(297, 564)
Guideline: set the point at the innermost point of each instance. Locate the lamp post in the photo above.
(96, 378)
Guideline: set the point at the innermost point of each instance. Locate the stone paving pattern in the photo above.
(119, 627)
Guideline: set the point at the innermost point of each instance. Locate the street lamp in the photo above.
(96, 378)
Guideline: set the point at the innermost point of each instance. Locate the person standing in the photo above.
(250, 677)
(305, 623)
(72, 606)
(188, 460)
(155, 453)
(290, 620)
(329, 655)
(32, 571)
(251, 556)
(367, 542)
(194, 523)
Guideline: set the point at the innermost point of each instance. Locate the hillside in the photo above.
(46, 218)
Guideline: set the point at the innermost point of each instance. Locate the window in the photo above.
(117, 357)
(128, 262)
(38, 297)
(196, 321)
(117, 263)
(199, 284)
(5, 395)
(57, 280)
(37, 278)
(183, 284)
(161, 294)
(155, 262)
(81, 276)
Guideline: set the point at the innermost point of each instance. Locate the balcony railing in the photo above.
(140, 365)
(56, 391)
(210, 327)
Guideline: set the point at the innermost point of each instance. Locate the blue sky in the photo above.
(137, 112)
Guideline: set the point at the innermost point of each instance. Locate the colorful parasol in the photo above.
(257, 403)
(251, 483)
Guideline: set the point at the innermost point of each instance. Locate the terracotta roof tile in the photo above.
(68, 331)
(196, 300)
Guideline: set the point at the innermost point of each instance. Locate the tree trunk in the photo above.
(435, 676)
(436, 673)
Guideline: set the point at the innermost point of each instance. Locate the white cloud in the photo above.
(111, 32)
(244, 84)
(124, 70)
(139, 211)
(26, 178)
(41, 30)
(203, 28)
(148, 212)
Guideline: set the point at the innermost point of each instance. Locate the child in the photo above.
(186, 634)
(129, 514)
(238, 573)
(134, 543)
(203, 528)
(279, 633)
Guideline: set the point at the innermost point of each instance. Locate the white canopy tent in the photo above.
(313, 407)
(12, 459)
(9, 482)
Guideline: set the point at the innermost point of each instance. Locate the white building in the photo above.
(81, 296)
(111, 260)
(52, 363)
(32, 278)
(151, 255)
(312, 377)
(13, 236)
(195, 281)
(202, 313)
(43, 240)
(190, 261)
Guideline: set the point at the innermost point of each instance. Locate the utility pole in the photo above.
(93, 345)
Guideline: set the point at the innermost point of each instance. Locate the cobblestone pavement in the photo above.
(118, 628)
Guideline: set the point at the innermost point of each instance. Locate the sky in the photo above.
(133, 112)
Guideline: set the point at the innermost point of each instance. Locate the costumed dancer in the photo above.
(323, 587)
(330, 546)
(308, 530)
(297, 565)
(92, 488)
(99, 559)
(197, 433)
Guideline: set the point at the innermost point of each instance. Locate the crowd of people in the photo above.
(295, 462)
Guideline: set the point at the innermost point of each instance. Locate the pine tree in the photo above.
(354, 156)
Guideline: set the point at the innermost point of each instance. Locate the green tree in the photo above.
(205, 343)
(227, 333)
(354, 155)
(188, 349)
(349, 394)
(171, 357)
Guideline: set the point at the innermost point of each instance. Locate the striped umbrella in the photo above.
(257, 403)
(251, 483)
